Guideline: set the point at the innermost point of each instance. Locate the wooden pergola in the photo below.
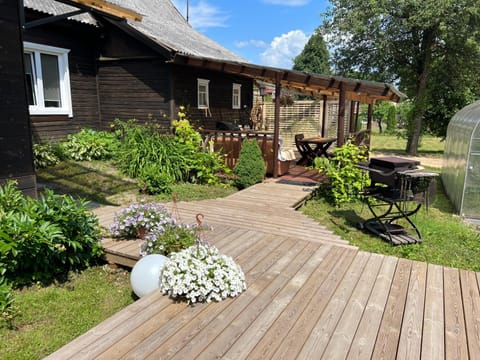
(315, 85)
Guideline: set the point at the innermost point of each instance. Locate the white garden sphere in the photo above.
(145, 276)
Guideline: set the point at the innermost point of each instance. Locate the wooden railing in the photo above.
(229, 144)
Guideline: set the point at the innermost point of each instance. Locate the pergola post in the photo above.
(276, 126)
(351, 127)
(369, 123)
(324, 116)
(341, 116)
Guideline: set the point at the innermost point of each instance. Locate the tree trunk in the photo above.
(423, 71)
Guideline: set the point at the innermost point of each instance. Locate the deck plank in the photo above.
(455, 337)
(364, 340)
(390, 327)
(433, 338)
(247, 341)
(222, 343)
(471, 304)
(410, 343)
(302, 329)
(325, 326)
(341, 339)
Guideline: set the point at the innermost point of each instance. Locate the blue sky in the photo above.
(264, 32)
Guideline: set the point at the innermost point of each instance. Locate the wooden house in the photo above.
(105, 67)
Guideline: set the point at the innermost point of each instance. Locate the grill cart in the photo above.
(398, 189)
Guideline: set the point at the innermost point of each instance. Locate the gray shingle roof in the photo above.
(55, 8)
(161, 21)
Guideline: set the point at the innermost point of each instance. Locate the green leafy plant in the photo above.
(8, 311)
(250, 168)
(40, 239)
(154, 181)
(89, 144)
(44, 155)
(345, 179)
(169, 238)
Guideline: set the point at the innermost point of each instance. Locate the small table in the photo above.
(321, 145)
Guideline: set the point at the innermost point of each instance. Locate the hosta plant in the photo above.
(201, 274)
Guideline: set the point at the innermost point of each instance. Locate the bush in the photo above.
(44, 155)
(88, 145)
(41, 239)
(345, 180)
(250, 168)
(143, 147)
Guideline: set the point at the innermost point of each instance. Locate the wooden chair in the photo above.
(305, 151)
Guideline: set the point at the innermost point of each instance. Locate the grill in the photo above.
(399, 187)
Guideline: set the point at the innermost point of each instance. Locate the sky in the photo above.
(263, 32)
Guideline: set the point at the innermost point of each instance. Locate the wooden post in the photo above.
(351, 125)
(16, 156)
(341, 117)
(324, 116)
(276, 126)
(356, 116)
(369, 123)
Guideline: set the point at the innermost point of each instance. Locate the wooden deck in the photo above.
(308, 297)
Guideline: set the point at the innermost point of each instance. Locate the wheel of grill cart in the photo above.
(360, 226)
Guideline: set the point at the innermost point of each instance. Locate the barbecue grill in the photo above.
(399, 187)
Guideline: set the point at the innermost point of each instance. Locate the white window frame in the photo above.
(236, 100)
(203, 82)
(64, 75)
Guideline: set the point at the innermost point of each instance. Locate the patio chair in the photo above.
(305, 151)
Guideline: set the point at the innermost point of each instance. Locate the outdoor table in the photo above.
(321, 145)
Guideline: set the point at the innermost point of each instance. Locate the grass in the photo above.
(393, 144)
(52, 316)
(100, 182)
(447, 240)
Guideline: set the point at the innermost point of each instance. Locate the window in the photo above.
(47, 79)
(203, 93)
(236, 96)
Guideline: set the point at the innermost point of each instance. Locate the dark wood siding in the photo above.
(82, 40)
(220, 96)
(15, 139)
(137, 89)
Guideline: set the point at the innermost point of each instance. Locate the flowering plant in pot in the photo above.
(138, 219)
(201, 273)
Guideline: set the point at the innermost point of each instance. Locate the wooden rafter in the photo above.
(109, 8)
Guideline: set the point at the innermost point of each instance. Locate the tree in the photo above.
(314, 56)
(406, 42)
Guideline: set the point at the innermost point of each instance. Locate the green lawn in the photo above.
(49, 317)
(384, 143)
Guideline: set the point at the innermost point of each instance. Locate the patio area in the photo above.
(310, 295)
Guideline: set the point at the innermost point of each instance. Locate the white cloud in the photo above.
(283, 49)
(255, 43)
(202, 15)
(287, 2)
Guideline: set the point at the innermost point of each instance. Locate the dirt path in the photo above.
(430, 161)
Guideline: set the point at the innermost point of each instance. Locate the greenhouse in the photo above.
(461, 162)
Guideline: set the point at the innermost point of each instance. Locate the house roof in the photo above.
(161, 22)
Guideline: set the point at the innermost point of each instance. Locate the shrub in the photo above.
(143, 147)
(205, 165)
(7, 308)
(345, 180)
(154, 181)
(89, 144)
(250, 168)
(40, 239)
(44, 155)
